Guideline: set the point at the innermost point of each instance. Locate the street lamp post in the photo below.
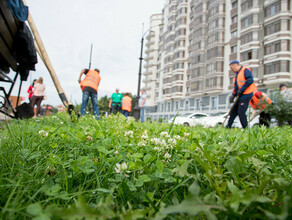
(136, 110)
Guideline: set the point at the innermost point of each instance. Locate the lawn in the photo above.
(57, 168)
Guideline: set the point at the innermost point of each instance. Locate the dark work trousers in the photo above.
(239, 109)
(265, 119)
(37, 100)
(116, 107)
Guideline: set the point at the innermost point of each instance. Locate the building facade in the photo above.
(197, 40)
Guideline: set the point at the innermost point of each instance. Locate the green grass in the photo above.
(54, 168)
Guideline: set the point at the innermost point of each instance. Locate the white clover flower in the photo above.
(116, 152)
(43, 133)
(128, 133)
(186, 134)
(61, 122)
(144, 136)
(124, 166)
(118, 168)
(127, 176)
(142, 144)
(167, 156)
(164, 134)
(265, 156)
(89, 138)
(163, 143)
(54, 116)
(172, 141)
(157, 149)
(198, 149)
(177, 137)
(154, 141)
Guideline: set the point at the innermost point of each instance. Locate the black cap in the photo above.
(281, 85)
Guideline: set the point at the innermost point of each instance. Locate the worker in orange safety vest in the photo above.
(243, 88)
(126, 105)
(89, 86)
(260, 101)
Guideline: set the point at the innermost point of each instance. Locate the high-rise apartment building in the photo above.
(197, 40)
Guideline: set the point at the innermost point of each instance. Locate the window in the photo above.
(214, 102)
(234, 34)
(245, 22)
(216, 37)
(198, 104)
(234, 4)
(246, 5)
(187, 105)
(197, 72)
(234, 19)
(246, 38)
(276, 67)
(177, 89)
(273, 9)
(215, 52)
(213, 82)
(234, 49)
(176, 106)
(273, 47)
(178, 66)
(215, 67)
(248, 55)
(273, 28)
(196, 86)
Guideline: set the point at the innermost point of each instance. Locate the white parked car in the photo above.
(215, 119)
(218, 119)
(189, 119)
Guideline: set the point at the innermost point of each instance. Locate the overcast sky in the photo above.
(69, 27)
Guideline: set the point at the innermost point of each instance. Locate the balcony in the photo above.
(147, 73)
(150, 35)
(147, 58)
(149, 43)
(148, 65)
(233, 56)
(214, 88)
(233, 26)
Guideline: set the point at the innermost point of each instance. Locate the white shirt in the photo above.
(287, 95)
(39, 89)
(143, 96)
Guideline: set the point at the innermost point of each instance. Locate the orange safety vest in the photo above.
(241, 81)
(91, 79)
(259, 103)
(126, 103)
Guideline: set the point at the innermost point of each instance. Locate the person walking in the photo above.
(142, 103)
(260, 101)
(30, 90)
(286, 93)
(115, 102)
(89, 86)
(38, 95)
(243, 87)
(126, 105)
